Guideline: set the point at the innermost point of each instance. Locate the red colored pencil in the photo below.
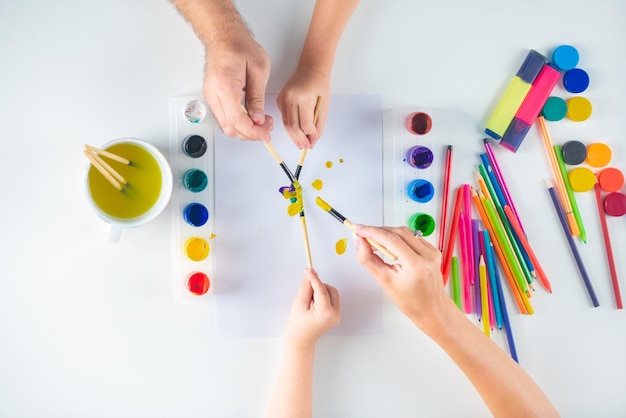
(607, 247)
(447, 255)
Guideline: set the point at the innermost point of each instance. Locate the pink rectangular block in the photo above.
(538, 94)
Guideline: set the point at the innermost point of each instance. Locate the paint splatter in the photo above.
(341, 245)
(294, 194)
(341, 160)
(329, 164)
(317, 184)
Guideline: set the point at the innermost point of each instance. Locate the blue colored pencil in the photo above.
(505, 314)
(491, 267)
(572, 245)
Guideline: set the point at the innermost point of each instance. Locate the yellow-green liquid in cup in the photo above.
(143, 187)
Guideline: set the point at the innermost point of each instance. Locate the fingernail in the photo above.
(358, 226)
(356, 240)
(258, 117)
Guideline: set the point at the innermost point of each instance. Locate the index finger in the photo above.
(390, 240)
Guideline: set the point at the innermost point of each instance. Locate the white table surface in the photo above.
(89, 328)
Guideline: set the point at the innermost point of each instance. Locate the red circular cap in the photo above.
(615, 204)
(198, 283)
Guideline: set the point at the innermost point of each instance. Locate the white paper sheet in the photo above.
(259, 249)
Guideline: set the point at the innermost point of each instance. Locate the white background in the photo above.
(88, 328)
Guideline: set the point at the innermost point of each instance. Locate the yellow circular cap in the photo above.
(197, 249)
(598, 155)
(578, 109)
(582, 179)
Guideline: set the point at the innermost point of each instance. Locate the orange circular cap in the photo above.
(610, 179)
(582, 179)
(598, 155)
(578, 109)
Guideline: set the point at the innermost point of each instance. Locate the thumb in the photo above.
(366, 257)
(305, 293)
(255, 98)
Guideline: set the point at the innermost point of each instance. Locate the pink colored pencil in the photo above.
(467, 209)
(500, 178)
(464, 256)
(447, 255)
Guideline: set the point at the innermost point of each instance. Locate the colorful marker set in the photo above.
(528, 96)
(413, 156)
(191, 158)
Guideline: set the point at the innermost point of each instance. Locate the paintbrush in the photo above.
(322, 204)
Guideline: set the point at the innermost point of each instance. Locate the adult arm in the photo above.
(415, 284)
(236, 70)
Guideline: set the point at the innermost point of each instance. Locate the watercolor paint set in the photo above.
(421, 137)
(191, 156)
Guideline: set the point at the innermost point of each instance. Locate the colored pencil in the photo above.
(496, 168)
(519, 297)
(572, 245)
(483, 296)
(456, 291)
(322, 204)
(607, 247)
(570, 193)
(491, 274)
(543, 279)
(464, 257)
(560, 186)
(467, 209)
(444, 198)
(447, 255)
(505, 314)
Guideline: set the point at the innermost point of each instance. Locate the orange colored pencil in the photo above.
(543, 279)
(517, 295)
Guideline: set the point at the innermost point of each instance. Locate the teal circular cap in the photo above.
(575, 80)
(555, 109)
(565, 57)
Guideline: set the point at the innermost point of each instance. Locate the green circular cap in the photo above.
(422, 222)
(555, 109)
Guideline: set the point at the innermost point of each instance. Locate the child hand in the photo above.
(315, 310)
(296, 102)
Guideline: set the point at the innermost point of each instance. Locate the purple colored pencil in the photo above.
(572, 245)
(500, 178)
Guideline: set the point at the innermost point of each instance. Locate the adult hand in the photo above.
(415, 282)
(297, 101)
(237, 68)
(315, 310)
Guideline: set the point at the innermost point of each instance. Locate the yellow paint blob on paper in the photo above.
(341, 160)
(317, 184)
(329, 164)
(341, 245)
(293, 209)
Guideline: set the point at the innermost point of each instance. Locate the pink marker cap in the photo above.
(538, 94)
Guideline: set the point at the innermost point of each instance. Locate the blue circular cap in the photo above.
(196, 214)
(421, 190)
(575, 80)
(565, 57)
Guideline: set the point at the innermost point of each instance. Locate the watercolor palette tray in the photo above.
(420, 137)
(191, 156)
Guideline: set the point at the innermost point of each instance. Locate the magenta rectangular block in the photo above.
(538, 94)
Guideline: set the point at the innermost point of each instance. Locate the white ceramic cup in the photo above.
(116, 225)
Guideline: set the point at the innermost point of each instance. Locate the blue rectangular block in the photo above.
(531, 66)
